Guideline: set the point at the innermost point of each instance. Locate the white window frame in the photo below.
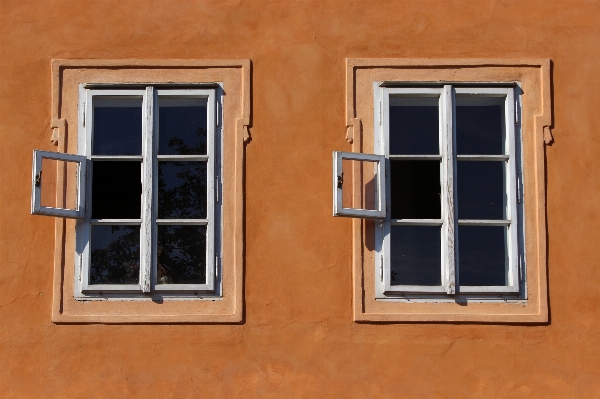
(148, 231)
(37, 182)
(448, 220)
(338, 181)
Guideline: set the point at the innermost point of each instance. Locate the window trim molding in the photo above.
(467, 72)
(228, 309)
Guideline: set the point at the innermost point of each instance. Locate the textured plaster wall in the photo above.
(298, 338)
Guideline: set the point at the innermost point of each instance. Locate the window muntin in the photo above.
(428, 245)
(151, 224)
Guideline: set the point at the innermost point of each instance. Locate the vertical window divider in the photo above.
(146, 242)
(448, 209)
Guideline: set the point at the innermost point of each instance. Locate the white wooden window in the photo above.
(374, 195)
(150, 224)
(60, 210)
(452, 191)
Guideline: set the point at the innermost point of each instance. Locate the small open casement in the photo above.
(37, 182)
(376, 185)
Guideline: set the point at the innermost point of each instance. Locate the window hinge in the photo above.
(218, 114)
(83, 115)
(80, 265)
(217, 186)
(380, 113)
(517, 113)
(519, 193)
(521, 267)
(216, 268)
(381, 268)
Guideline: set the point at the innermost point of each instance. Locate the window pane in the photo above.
(481, 190)
(414, 125)
(116, 189)
(115, 255)
(181, 255)
(117, 126)
(416, 255)
(182, 126)
(482, 255)
(415, 189)
(480, 125)
(182, 190)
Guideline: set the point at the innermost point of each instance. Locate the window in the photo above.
(453, 225)
(461, 236)
(151, 216)
(146, 184)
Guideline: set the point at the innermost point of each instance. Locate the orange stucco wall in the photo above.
(298, 338)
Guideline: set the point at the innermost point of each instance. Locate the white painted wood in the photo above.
(116, 158)
(482, 157)
(483, 222)
(511, 222)
(37, 183)
(124, 222)
(148, 125)
(385, 288)
(187, 222)
(183, 157)
(210, 159)
(339, 179)
(400, 289)
(83, 231)
(449, 248)
(417, 222)
(415, 157)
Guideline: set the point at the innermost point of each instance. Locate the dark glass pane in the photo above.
(415, 189)
(117, 126)
(480, 125)
(414, 126)
(116, 189)
(182, 126)
(115, 255)
(416, 255)
(182, 190)
(481, 192)
(181, 255)
(482, 255)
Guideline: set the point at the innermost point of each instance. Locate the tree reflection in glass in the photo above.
(181, 255)
(115, 254)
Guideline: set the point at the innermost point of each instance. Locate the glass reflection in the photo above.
(481, 190)
(182, 190)
(415, 192)
(482, 255)
(181, 255)
(480, 125)
(115, 254)
(116, 190)
(416, 255)
(117, 126)
(182, 126)
(414, 125)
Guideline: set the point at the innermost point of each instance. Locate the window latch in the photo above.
(340, 180)
(38, 179)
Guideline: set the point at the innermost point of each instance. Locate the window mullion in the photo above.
(448, 166)
(147, 186)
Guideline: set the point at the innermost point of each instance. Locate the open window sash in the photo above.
(379, 200)
(37, 182)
